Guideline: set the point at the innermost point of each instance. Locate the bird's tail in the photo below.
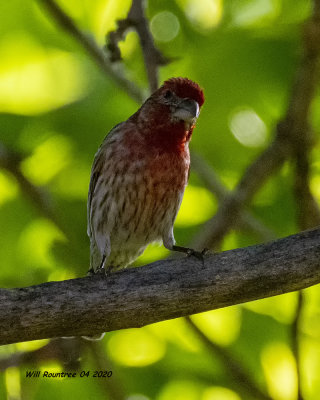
(95, 256)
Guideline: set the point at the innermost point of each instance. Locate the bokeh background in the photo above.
(56, 106)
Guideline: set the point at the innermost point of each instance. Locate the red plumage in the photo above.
(184, 87)
(139, 176)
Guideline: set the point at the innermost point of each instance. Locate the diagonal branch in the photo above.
(295, 340)
(236, 369)
(288, 132)
(153, 58)
(92, 49)
(162, 290)
(113, 388)
(10, 160)
(212, 182)
(230, 209)
(67, 352)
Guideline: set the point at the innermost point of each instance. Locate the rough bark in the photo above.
(163, 290)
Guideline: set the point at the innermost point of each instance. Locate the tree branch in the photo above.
(162, 290)
(295, 339)
(66, 352)
(254, 177)
(151, 54)
(113, 388)
(41, 199)
(235, 368)
(92, 49)
(212, 182)
(288, 132)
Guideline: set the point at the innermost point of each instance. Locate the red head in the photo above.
(184, 88)
(169, 115)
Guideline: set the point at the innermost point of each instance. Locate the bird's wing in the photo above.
(96, 170)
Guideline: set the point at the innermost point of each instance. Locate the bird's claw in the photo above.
(198, 254)
(205, 251)
(103, 272)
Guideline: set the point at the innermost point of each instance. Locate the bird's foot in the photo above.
(91, 272)
(191, 252)
(198, 254)
(101, 271)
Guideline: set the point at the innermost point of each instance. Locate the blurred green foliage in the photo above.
(55, 108)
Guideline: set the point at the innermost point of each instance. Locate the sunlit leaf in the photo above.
(280, 371)
(136, 347)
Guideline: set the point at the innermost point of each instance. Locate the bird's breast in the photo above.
(170, 170)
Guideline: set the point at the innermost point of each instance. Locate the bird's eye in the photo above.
(168, 94)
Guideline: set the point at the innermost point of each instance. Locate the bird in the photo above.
(139, 175)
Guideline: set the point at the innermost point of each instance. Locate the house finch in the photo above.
(139, 176)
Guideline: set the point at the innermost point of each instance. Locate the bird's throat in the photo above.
(173, 138)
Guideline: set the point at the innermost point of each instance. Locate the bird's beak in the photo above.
(187, 110)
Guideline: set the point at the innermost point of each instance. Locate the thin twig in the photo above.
(11, 160)
(295, 329)
(67, 352)
(63, 19)
(153, 58)
(112, 386)
(39, 198)
(229, 210)
(287, 132)
(212, 181)
(234, 367)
